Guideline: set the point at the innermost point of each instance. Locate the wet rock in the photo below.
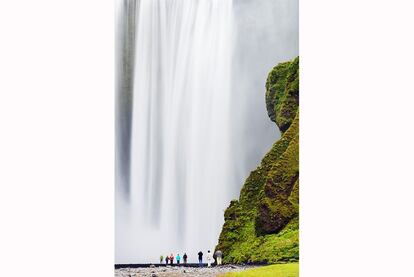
(178, 271)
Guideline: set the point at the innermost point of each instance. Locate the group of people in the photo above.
(169, 259)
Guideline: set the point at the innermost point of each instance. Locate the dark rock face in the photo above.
(262, 226)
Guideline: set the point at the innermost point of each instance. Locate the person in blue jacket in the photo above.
(178, 258)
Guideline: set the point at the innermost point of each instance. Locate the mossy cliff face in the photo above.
(263, 225)
(282, 93)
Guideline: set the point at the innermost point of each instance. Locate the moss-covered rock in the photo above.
(263, 225)
(282, 93)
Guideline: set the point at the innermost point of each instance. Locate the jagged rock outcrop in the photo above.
(263, 225)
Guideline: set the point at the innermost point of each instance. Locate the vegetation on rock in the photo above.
(282, 93)
(279, 270)
(263, 225)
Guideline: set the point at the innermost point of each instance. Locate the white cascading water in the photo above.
(180, 138)
(185, 128)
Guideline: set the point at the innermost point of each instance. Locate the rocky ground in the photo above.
(177, 271)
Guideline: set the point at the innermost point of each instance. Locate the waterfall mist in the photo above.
(191, 121)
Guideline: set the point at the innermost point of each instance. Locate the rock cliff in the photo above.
(263, 224)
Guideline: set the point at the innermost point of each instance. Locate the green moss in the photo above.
(275, 210)
(275, 86)
(294, 196)
(279, 270)
(282, 93)
(263, 225)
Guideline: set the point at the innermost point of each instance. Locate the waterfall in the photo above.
(181, 157)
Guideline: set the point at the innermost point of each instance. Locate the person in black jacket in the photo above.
(200, 258)
(185, 258)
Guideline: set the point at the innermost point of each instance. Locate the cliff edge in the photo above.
(263, 224)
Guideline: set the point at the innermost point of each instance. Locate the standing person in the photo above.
(171, 259)
(166, 260)
(161, 259)
(185, 258)
(209, 258)
(219, 256)
(178, 258)
(200, 259)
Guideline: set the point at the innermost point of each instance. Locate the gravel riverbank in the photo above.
(177, 271)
